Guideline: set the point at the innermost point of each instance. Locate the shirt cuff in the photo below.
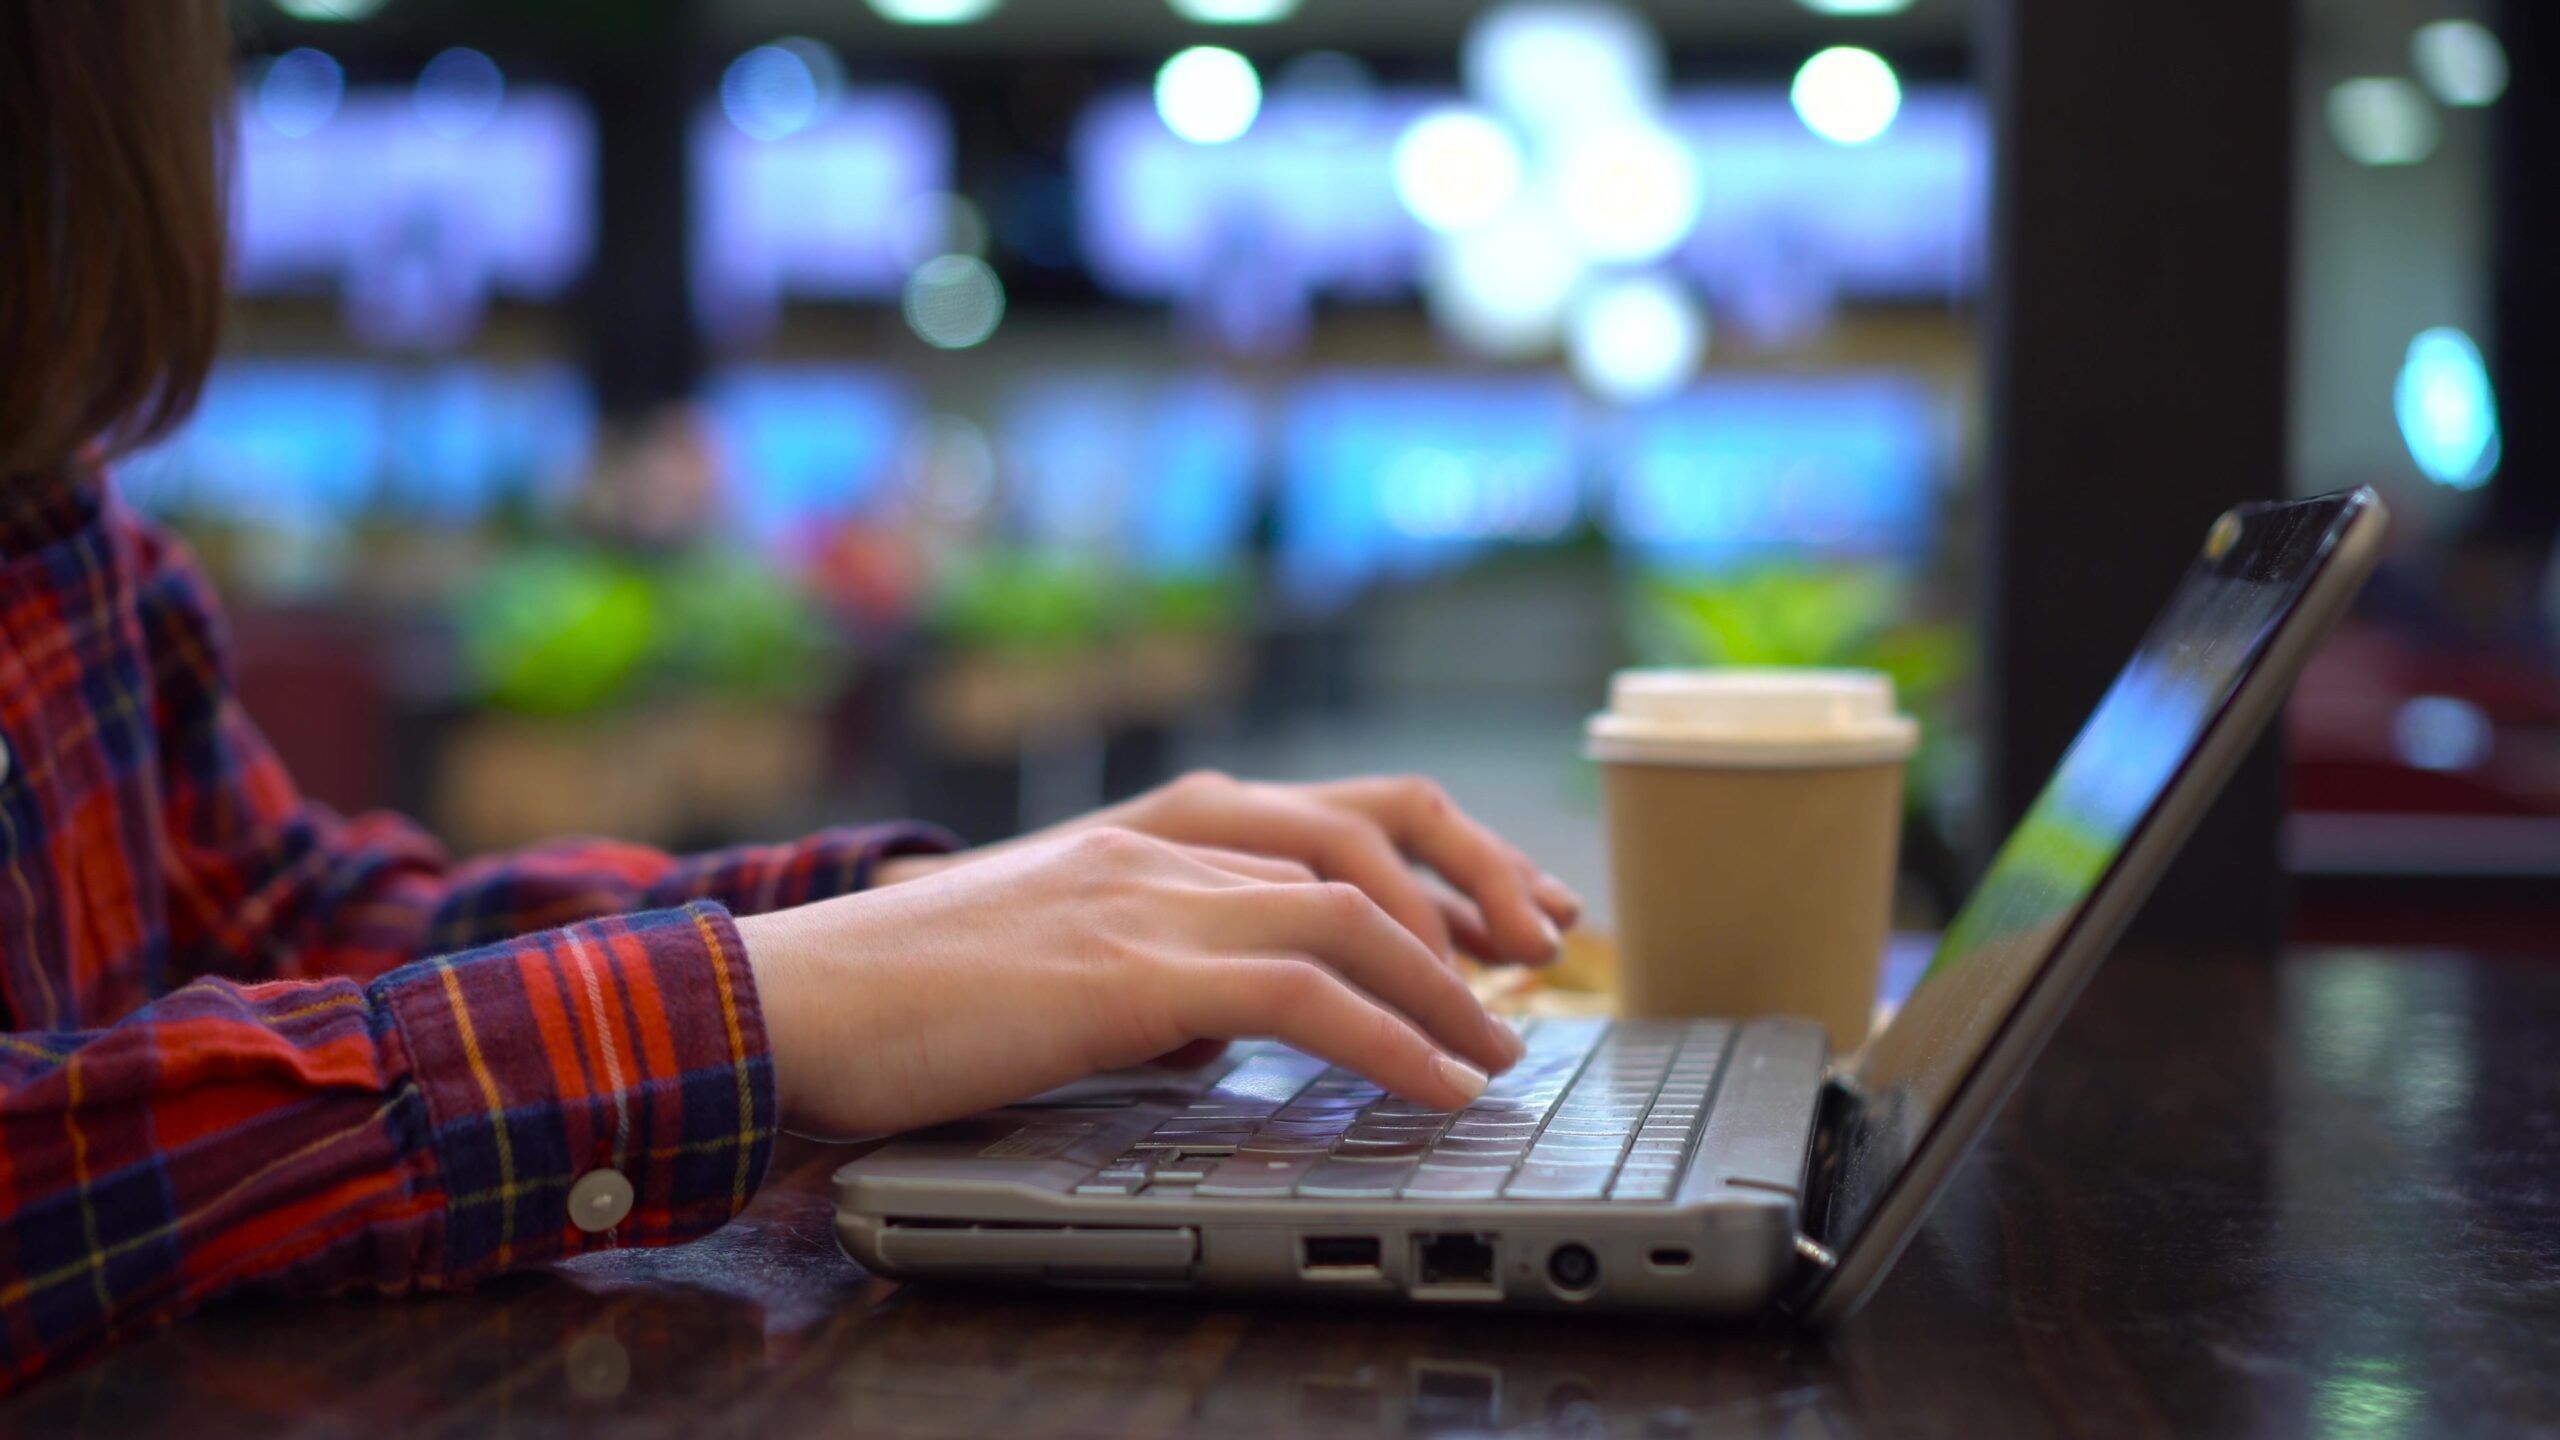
(607, 1083)
(760, 879)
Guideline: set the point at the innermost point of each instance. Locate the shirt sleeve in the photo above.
(265, 884)
(419, 1132)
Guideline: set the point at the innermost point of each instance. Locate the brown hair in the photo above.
(112, 122)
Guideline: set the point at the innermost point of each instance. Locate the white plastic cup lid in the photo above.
(1751, 717)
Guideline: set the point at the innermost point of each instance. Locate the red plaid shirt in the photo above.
(252, 1044)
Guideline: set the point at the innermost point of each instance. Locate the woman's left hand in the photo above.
(1497, 906)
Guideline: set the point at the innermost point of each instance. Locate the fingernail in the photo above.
(1462, 1077)
(1512, 1045)
(1555, 937)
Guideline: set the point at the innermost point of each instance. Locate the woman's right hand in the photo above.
(990, 982)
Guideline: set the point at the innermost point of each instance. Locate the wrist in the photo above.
(774, 963)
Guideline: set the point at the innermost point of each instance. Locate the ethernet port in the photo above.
(1455, 1265)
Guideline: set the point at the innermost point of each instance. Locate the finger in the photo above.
(1554, 896)
(1191, 1056)
(1421, 819)
(1466, 928)
(1341, 926)
(1304, 1005)
(1244, 865)
(1337, 844)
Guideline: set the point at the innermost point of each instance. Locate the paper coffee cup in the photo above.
(1753, 818)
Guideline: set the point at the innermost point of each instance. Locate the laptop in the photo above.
(1700, 1167)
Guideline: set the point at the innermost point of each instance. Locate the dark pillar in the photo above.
(643, 346)
(2524, 500)
(2136, 339)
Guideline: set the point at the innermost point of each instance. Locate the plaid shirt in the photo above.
(252, 1044)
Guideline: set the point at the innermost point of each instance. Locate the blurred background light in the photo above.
(459, 92)
(2447, 410)
(1847, 95)
(938, 223)
(2382, 120)
(328, 10)
(2461, 61)
(1555, 67)
(1636, 339)
(300, 92)
(770, 92)
(1503, 288)
(954, 302)
(1208, 94)
(2441, 732)
(1456, 169)
(934, 12)
(1235, 12)
(1856, 7)
(826, 72)
(1628, 194)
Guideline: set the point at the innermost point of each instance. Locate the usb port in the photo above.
(1339, 1257)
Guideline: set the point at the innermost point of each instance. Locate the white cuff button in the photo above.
(599, 1200)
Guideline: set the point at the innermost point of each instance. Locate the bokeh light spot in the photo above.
(459, 92)
(1456, 169)
(2461, 61)
(1629, 195)
(954, 302)
(1208, 94)
(1235, 12)
(1553, 68)
(769, 93)
(300, 92)
(934, 12)
(1846, 95)
(324, 11)
(2382, 120)
(2441, 732)
(1636, 339)
(2447, 410)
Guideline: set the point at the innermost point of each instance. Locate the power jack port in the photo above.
(1573, 1269)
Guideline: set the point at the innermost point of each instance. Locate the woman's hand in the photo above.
(1021, 971)
(1365, 832)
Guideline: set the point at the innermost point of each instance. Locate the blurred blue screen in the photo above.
(325, 441)
(830, 211)
(414, 228)
(798, 444)
(1156, 474)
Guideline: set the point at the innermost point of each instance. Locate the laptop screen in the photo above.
(2256, 567)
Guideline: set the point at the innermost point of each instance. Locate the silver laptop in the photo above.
(1701, 1167)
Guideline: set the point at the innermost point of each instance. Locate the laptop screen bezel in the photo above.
(2338, 572)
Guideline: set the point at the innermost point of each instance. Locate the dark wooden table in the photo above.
(2318, 1196)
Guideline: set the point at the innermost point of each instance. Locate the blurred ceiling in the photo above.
(1367, 26)
(1086, 28)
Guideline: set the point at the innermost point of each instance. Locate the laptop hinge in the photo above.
(1837, 1117)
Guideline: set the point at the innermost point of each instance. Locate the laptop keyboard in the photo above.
(1595, 1110)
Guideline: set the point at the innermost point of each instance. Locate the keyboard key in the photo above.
(1114, 1182)
(1204, 1142)
(1536, 1181)
(1186, 1171)
(1315, 1129)
(1355, 1146)
(1441, 1184)
(1325, 1107)
(1286, 1145)
(1256, 1178)
(1338, 1178)
(1273, 1077)
(1511, 1145)
(1445, 1160)
(1391, 1130)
